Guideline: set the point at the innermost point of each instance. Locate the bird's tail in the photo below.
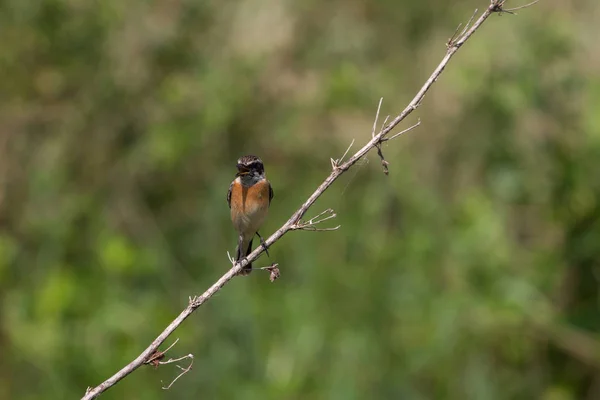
(240, 255)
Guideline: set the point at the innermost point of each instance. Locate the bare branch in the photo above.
(294, 221)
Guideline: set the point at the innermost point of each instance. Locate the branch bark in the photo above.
(295, 222)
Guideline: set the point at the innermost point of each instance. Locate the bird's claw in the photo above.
(263, 244)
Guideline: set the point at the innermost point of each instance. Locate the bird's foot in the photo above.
(263, 244)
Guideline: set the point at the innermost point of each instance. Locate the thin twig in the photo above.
(231, 259)
(310, 224)
(197, 301)
(511, 10)
(384, 122)
(317, 218)
(376, 118)
(469, 23)
(457, 36)
(384, 163)
(346, 152)
(183, 370)
(335, 163)
(174, 360)
(404, 131)
(315, 229)
(156, 357)
(454, 36)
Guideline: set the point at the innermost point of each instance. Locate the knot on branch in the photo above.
(498, 7)
(155, 358)
(335, 164)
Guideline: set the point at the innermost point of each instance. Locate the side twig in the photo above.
(294, 222)
(183, 370)
(512, 10)
(310, 224)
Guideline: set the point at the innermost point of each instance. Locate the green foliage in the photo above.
(471, 271)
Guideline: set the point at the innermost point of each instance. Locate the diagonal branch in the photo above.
(338, 168)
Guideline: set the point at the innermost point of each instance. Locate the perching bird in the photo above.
(249, 197)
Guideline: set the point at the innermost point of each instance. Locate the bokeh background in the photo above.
(470, 272)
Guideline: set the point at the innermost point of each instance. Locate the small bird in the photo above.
(249, 198)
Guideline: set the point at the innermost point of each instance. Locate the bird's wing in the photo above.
(229, 194)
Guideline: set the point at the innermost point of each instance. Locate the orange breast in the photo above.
(256, 196)
(249, 205)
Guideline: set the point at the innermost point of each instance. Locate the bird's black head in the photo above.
(250, 165)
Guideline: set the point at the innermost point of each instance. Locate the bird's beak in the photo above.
(242, 170)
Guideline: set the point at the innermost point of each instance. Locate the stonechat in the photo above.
(249, 198)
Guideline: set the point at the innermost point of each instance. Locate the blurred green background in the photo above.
(470, 272)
